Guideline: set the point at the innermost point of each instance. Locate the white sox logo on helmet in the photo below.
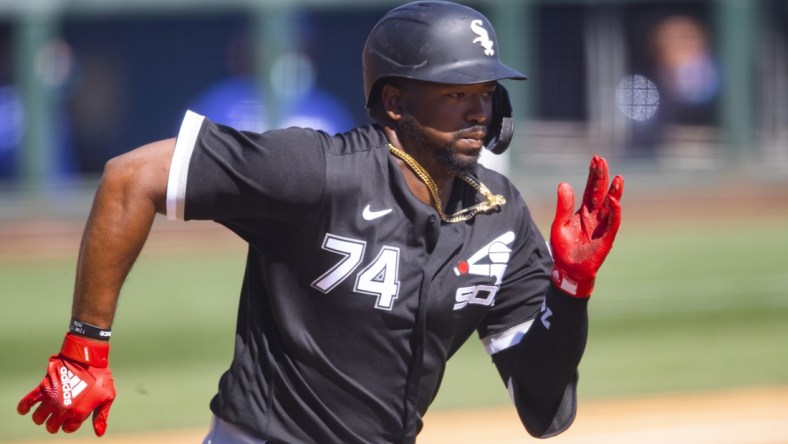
(497, 253)
(477, 26)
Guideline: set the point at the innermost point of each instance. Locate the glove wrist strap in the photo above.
(84, 350)
(576, 289)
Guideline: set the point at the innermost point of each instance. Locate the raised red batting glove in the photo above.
(581, 241)
(78, 382)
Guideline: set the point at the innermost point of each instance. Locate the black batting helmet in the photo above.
(440, 42)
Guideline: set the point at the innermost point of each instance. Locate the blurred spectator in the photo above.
(11, 115)
(11, 126)
(238, 101)
(96, 109)
(53, 74)
(686, 68)
(687, 77)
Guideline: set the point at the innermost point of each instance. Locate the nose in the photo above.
(479, 109)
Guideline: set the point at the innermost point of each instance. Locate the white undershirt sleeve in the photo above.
(179, 168)
(508, 338)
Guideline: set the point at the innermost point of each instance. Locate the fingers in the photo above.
(72, 425)
(609, 215)
(42, 412)
(54, 423)
(29, 400)
(612, 200)
(615, 217)
(46, 412)
(100, 418)
(605, 216)
(616, 188)
(596, 187)
(565, 204)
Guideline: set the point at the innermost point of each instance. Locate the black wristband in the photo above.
(89, 331)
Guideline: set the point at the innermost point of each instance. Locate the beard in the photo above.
(413, 132)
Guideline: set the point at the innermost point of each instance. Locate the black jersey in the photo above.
(355, 293)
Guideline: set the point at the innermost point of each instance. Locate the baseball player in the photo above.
(373, 254)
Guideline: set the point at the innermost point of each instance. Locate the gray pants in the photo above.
(223, 432)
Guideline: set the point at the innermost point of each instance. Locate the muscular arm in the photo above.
(132, 190)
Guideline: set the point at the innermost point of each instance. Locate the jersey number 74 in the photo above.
(380, 278)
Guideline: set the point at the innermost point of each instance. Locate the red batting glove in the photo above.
(581, 241)
(78, 382)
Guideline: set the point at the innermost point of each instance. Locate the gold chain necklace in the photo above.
(491, 201)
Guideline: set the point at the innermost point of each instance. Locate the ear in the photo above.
(392, 100)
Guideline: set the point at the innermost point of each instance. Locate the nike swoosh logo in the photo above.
(368, 214)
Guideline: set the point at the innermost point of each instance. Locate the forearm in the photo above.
(113, 238)
(556, 341)
(541, 369)
(131, 191)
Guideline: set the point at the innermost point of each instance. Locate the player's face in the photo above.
(448, 120)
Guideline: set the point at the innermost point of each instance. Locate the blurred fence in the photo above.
(673, 92)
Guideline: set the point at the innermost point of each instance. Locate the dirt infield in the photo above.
(746, 416)
(743, 416)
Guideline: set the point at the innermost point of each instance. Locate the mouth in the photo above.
(473, 139)
(471, 143)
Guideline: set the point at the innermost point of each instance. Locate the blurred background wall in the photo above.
(674, 93)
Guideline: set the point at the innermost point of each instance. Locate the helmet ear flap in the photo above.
(502, 127)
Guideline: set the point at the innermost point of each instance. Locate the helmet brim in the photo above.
(469, 72)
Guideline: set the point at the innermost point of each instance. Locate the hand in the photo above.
(78, 382)
(581, 241)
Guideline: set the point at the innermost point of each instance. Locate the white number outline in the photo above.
(385, 288)
(546, 315)
(380, 278)
(353, 252)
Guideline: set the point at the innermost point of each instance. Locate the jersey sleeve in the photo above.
(522, 290)
(218, 173)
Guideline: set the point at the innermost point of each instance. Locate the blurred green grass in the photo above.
(677, 308)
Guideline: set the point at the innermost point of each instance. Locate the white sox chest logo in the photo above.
(477, 26)
(491, 260)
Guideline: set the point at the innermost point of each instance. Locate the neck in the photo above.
(421, 189)
(436, 192)
(442, 179)
(491, 202)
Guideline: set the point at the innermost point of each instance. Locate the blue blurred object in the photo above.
(238, 102)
